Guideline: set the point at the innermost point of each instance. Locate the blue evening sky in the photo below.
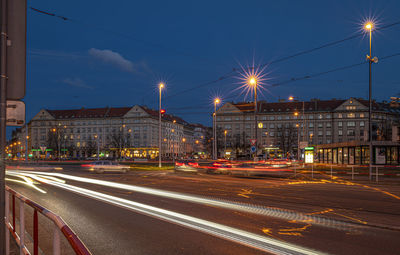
(113, 53)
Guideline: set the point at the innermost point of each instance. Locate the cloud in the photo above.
(77, 82)
(113, 58)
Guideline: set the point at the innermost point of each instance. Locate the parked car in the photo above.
(106, 166)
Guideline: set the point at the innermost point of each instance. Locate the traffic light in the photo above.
(162, 111)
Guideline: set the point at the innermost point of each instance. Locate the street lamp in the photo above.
(225, 132)
(298, 141)
(252, 82)
(122, 128)
(291, 98)
(173, 142)
(184, 145)
(368, 27)
(215, 152)
(98, 149)
(160, 87)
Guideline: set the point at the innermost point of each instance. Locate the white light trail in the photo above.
(225, 232)
(279, 213)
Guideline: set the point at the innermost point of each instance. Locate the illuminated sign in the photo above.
(309, 148)
(309, 157)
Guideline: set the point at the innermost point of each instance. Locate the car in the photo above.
(186, 166)
(106, 166)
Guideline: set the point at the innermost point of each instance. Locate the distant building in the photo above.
(281, 125)
(125, 131)
(200, 136)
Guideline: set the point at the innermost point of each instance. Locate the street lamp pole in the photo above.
(291, 98)
(225, 132)
(160, 87)
(215, 146)
(253, 82)
(98, 149)
(371, 60)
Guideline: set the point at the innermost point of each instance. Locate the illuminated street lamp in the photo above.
(368, 27)
(252, 82)
(98, 148)
(225, 132)
(160, 87)
(291, 98)
(183, 146)
(173, 142)
(215, 152)
(298, 141)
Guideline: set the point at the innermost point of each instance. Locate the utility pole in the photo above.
(12, 82)
(3, 112)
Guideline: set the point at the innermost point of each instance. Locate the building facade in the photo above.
(282, 126)
(129, 132)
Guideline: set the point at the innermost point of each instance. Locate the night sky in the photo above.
(113, 53)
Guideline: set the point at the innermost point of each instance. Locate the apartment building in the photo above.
(115, 132)
(282, 125)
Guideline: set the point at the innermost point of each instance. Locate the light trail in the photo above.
(27, 181)
(222, 231)
(279, 213)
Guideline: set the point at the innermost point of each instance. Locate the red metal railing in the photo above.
(60, 226)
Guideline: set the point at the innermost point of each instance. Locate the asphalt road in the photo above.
(352, 217)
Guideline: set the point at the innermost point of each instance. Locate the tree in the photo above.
(287, 138)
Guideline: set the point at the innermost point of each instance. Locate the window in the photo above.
(320, 133)
(264, 118)
(328, 124)
(311, 125)
(340, 132)
(328, 116)
(228, 126)
(320, 116)
(320, 125)
(362, 123)
(272, 118)
(362, 115)
(287, 117)
(279, 126)
(228, 118)
(237, 118)
(351, 124)
(311, 117)
(271, 126)
(340, 115)
(271, 133)
(350, 107)
(247, 125)
(340, 124)
(350, 132)
(279, 117)
(351, 115)
(247, 117)
(328, 132)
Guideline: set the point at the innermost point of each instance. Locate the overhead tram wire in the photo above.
(234, 70)
(128, 36)
(307, 77)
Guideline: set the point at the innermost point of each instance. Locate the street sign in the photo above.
(15, 113)
(253, 141)
(303, 144)
(253, 149)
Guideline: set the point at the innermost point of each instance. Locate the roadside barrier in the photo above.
(59, 227)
